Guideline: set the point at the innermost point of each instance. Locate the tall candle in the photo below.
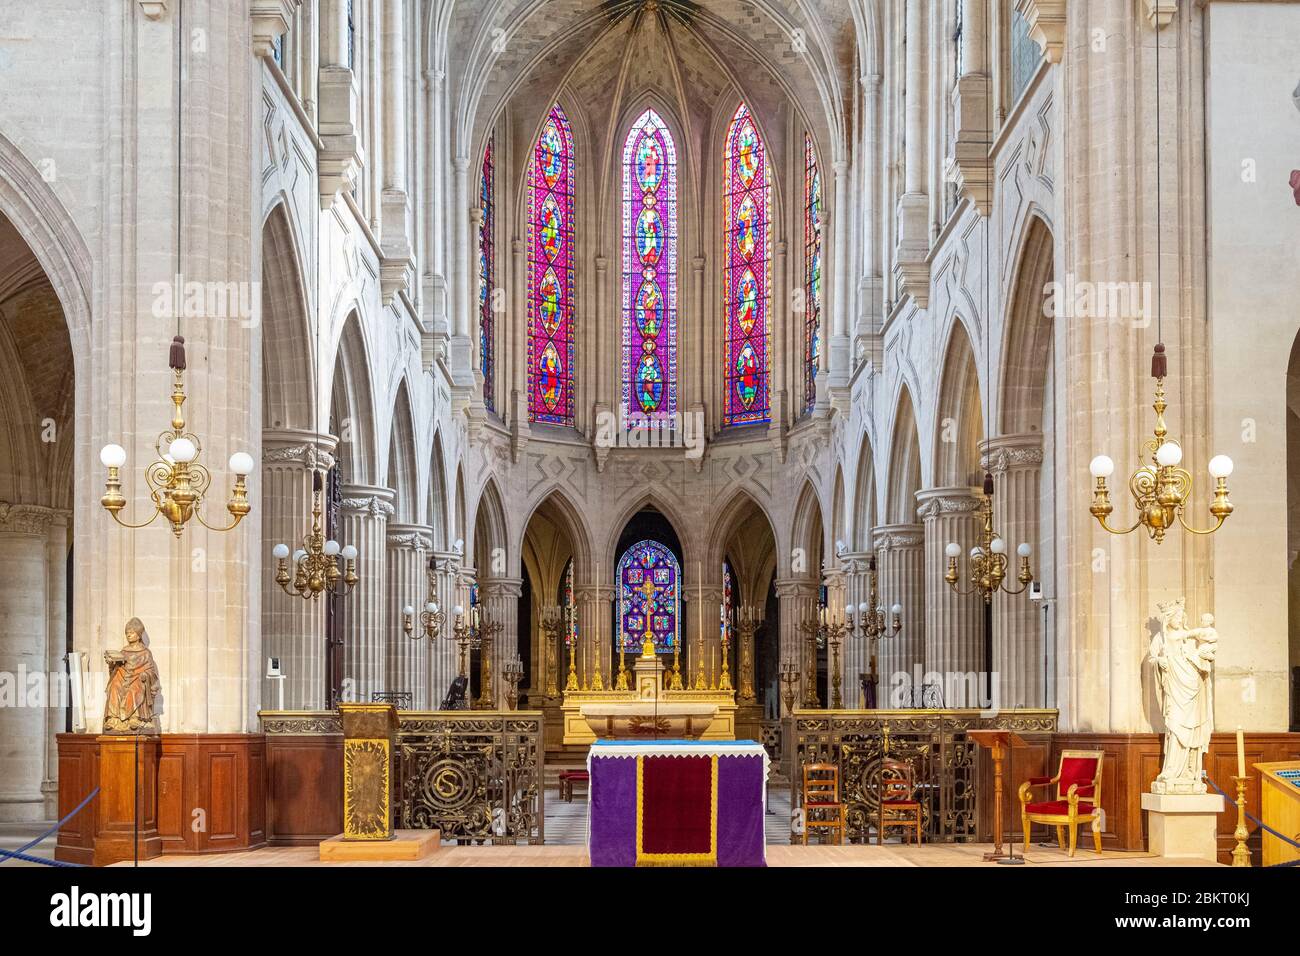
(1241, 753)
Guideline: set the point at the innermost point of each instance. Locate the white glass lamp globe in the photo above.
(460, 611)
(431, 607)
(1220, 466)
(408, 610)
(182, 450)
(349, 552)
(1101, 467)
(112, 456)
(280, 551)
(998, 546)
(864, 608)
(848, 611)
(1024, 550)
(332, 548)
(1169, 454)
(897, 609)
(953, 550)
(241, 463)
(976, 552)
(299, 555)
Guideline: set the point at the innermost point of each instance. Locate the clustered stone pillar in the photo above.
(836, 599)
(500, 598)
(901, 556)
(798, 603)
(954, 624)
(856, 652)
(595, 647)
(1016, 462)
(364, 515)
(26, 550)
(293, 629)
(442, 659)
(407, 665)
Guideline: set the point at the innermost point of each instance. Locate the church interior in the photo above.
(650, 433)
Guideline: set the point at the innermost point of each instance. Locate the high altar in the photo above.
(651, 700)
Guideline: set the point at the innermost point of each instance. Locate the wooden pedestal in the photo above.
(405, 845)
(126, 826)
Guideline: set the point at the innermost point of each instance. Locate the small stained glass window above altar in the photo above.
(649, 597)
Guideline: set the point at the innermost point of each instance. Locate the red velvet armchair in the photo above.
(1078, 790)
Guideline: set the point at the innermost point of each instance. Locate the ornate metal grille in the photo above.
(477, 778)
(943, 761)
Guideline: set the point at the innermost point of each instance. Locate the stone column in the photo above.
(500, 597)
(441, 578)
(901, 561)
(364, 519)
(912, 272)
(703, 618)
(836, 599)
(797, 599)
(595, 639)
(293, 629)
(25, 652)
(1016, 462)
(954, 625)
(407, 663)
(60, 701)
(856, 651)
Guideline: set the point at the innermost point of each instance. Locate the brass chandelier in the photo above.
(989, 562)
(871, 622)
(432, 618)
(1161, 487)
(178, 483)
(320, 565)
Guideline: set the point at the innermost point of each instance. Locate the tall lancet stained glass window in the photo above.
(812, 269)
(649, 579)
(747, 272)
(649, 271)
(550, 273)
(486, 266)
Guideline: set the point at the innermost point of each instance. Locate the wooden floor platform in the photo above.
(965, 854)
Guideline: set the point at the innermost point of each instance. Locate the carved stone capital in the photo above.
(953, 502)
(311, 452)
(900, 537)
(25, 519)
(361, 500)
(412, 536)
(1007, 452)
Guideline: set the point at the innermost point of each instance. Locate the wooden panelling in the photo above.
(78, 777)
(305, 792)
(210, 794)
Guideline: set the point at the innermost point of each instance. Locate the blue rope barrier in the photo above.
(21, 852)
(1257, 821)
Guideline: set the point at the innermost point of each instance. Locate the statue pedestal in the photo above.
(1183, 825)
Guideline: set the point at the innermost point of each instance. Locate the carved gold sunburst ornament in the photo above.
(365, 790)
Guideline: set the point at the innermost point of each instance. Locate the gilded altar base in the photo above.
(578, 733)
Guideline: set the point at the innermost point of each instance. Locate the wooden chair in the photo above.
(1078, 790)
(898, 804)
(821, 800)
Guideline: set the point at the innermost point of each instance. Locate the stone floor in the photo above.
(14, 835)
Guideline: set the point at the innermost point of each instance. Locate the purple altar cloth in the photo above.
(735, 807)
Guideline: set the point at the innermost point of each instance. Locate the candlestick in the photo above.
(1241, 753)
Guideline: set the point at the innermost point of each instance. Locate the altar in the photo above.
(676, 803)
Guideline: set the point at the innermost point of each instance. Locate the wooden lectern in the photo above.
(1280, 808)
(999, 742)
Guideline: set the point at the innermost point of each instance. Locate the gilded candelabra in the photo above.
(513, 672)
(823, 631)
(789, 679)
(988, 560)
(747, 621)
(487, 632)
(1160, 488)
(1241, 852)
(178, 483)
(871, 622)
(320, 565)
(554, 619)
(432, 618)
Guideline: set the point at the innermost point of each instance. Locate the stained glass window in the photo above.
(747, 271)
(649, 271)
(648, 596)
(812, 267)
(550, 273)
(486, 268)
